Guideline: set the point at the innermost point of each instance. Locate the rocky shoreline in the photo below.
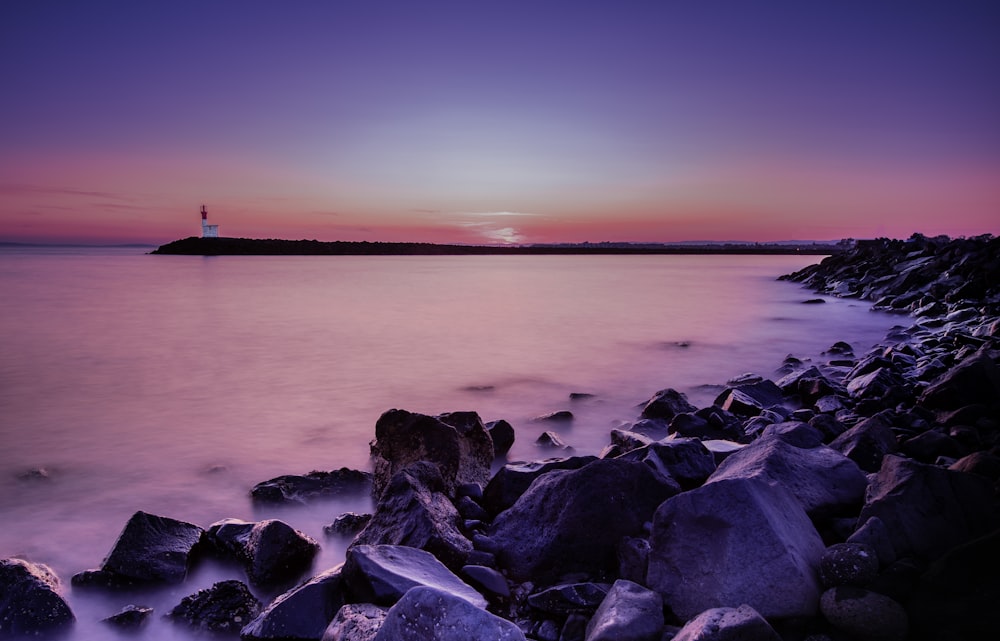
(850, 499)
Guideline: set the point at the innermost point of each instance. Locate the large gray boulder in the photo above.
(415, 511)
(271, 552)
(31, 602)
(301, 614)
(824, 481)
(734, 542)
(381, 574)
(573, 520)
(428, 614)
(629, 612)
(728, 624)
(458, 443)
(513, 479)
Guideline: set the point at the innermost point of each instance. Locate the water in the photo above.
(173, 384)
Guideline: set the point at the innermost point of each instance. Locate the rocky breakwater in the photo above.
(850, 498)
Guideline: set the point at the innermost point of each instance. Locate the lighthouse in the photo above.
(207, 231)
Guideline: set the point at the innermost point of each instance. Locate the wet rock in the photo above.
(511, 481)
(750, 399)
(223, 608)
(428, 614)
(381, 574)
(865, 614)
(355, 622)
(882, 385)
(666, 404)
(653, 429)
(560, 416)
(795, 433)
(928, 446)
(271, 552)
(627, 441)
(728, 624)
(415, 511)
(848, 564)
(301, 614)
(312, 486)
(569, 597)
(347, 524)
(487, 581)
(629, 612)
(552, 441)
(457, 443)
(867, 443)
(573, 520)
(150, 549)
(633, 558)
(685, 460)
(502, 434)
(31, 602)
(734, 542)
(973, 380)
(131, 617)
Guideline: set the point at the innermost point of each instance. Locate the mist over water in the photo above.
(172, 384)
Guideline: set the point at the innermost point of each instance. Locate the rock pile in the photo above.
(851, 499)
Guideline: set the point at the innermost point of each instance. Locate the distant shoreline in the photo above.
(195, 246)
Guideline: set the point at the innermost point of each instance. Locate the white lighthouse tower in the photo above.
(207, 231)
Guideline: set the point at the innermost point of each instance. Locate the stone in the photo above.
(487, 581)
(728, 624)
(874, 534)
(553, 441)
(882, 385)
(502, 434)
(867, 443)
(666, 404)
(628, 441)
(355, 622)
(795, 433)
(823, 481)
(415, 511)
(569, 597)
(31, 602)
(559, 416)
(347, 524)
(315, 485)
(381, 574)
(429, 614)
(573, 520)
(457, 443)
(928, 446)
(131, 617)
(223, 608)
(652, 428)
(750, 399)
(974, 380)
(629, 612)
(301, 614)
(848, 564)
(733, 542)
(685, 460)
(982, 463)
(511, 480)
(867, 615)
(633, 558)
(271, 552)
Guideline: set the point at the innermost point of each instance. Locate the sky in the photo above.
(484, 121)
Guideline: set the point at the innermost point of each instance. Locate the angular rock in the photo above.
(750, 399)
(981, 463)
(666, 404)
(31, 603)
(355, 622)
(223, 608)
(848, 564)
(315, 485)
(573, 520)
(558, 416)
(734, 542)
(502, 434)
(553, 441)
(457, 443)
(131, 617)
(347, 524)
(569, 597)
(301, 614)
(415, 511)
(975, 380)
(881, 384)
(685, 460)
(511, 480)
(928, 446)
(428, 614)
(487, 581)
(865, 614)
(867, 443)
(629, 612)
(875, 535)
(271, 552)
(381, 574)
(728, 624)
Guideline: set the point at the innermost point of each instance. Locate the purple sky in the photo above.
(482, 121)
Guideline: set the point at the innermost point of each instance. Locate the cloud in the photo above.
(18, 189)
(490, 214)
(504, 234)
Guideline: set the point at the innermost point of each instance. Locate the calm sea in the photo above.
(172, 384)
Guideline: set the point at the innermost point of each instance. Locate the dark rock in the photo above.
(30, 600)
(749, 400)
(928, 446)
(415, 511)
(867, 443)
(828, 426)
(355, 622)
(848, 564)
(627, 441)
(130, 617)
(511, 481)
(315, 485)
(301, 614)
(928, 510)
(734, 542)
(150, 549)
(381, 574)
(575, 627)
(223, 608)
(551, 440)
(347, 524)
(502, 434)
(429, 614)
(572, 520)
(271, 552)
(813, 301)
(580, 396)
(981, 463)
(865, 614)
(685, 460)
(629, 612)
(874, 535)
(840, 347)
(487, 581)
(728, 624)
(975, 380)
(457, 443)
(633, 559)
(469, 509)
(560, 416)
(569, 597)
(666, 404)
(795, 433)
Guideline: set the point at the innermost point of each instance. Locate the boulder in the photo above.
(848, 564)
(414, 510)
(865, 614)
(750, 399)
(551, 440)
(315, 485)
(31, 603)
(824, 481)
(223, 608)
(974, 380)
(271, 552)
(728, 624)
(511, 480)
(733, 542)
(629, 612)
(130, 618)
(559, 416)
(150, 549)
(487, 581)
(429, 614)
(928, 510)
(502, 434)
(347, 524)
(666, 404)
(875, 535)
(573, 520)
(355, 622)
(867, 443)
(301, 614)
(569, 597)
(928, 446)
(686, 460)
(882, 385)
(381, 574)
